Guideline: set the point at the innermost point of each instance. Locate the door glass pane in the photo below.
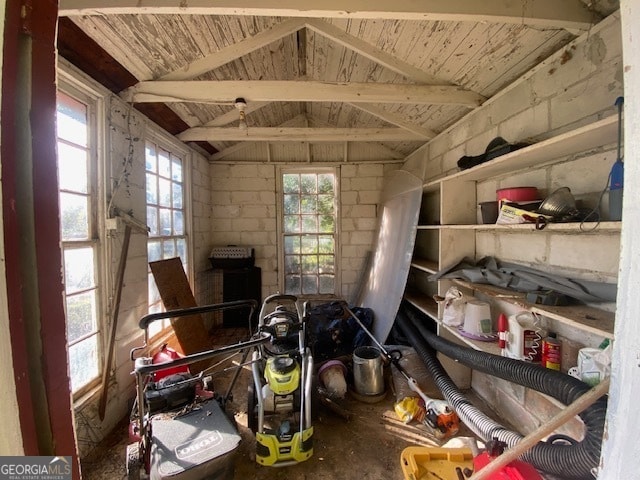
(74, 216)
(81, 318)
(84, 362)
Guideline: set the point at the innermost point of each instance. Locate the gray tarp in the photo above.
(491, 271)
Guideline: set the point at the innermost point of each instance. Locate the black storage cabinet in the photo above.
(241, 284)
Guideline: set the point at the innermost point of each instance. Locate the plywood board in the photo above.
(176, 293)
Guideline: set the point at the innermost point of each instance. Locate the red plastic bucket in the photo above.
(517, 194)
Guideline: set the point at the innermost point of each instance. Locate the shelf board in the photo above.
(574, 227)
(489, 347)
(582, 139)
(425, 265)
(424, 303)
(429, 307)
(585, 318)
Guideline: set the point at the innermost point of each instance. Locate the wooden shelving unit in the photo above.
(450, 230)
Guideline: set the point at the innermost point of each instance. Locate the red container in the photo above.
(166, 354)
(517, 194)
(551, 352)
(516, 470)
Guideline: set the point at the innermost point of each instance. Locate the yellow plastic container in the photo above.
(427, 463)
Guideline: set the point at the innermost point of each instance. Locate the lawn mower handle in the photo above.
(183, 312)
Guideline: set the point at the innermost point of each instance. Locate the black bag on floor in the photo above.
(334, 333)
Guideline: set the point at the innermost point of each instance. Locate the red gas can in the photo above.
(166, 354)
(516, 470)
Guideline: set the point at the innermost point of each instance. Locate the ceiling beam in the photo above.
(225, 92)
(372, 53)
(394, 119)
(236, 50)
(571, 14)
(234, 115)
(295, 121)
(296, 134)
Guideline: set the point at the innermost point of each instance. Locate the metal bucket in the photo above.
(367, 371)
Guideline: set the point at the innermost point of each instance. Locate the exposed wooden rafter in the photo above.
(225, 92)
(392, 118)
(570, 14)
(237, 50)
(295, 134)
(295, 121)
(372, 53)
(234, 115)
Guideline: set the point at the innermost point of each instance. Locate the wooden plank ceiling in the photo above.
(391, 72)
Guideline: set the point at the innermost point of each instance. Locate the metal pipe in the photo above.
(257, 385)
(307, 387)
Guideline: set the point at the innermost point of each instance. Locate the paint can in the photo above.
(551, 352)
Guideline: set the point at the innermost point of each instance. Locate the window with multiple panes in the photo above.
(77, 174)
(165, 215)
(309, 202)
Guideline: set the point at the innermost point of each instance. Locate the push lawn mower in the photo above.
(179, 427)
(279, 400)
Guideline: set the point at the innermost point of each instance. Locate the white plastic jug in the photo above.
(523, 339)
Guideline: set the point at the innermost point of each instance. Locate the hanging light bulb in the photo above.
(241, 105)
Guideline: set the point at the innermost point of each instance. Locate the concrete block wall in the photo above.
(572, 88)
(243, 206)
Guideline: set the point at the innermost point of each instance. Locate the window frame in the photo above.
(317, 170)
(82, 92)
(178, 150)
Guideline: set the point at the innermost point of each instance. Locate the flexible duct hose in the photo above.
(574, 461)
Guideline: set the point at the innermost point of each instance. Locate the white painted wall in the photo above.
(11, 440)
(574, 87)
(243, 198)
(621, 446)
